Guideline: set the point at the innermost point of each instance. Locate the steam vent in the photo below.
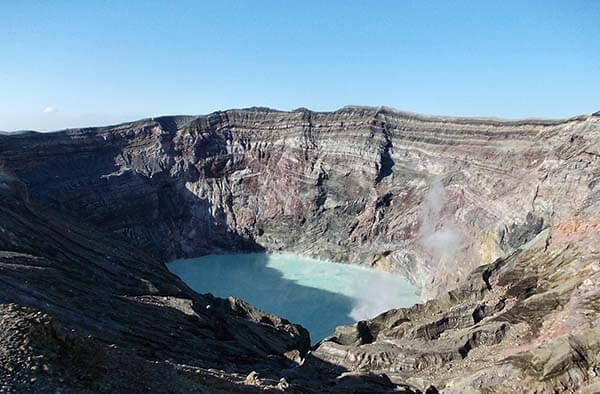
(494, 225)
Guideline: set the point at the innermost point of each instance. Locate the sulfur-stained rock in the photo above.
(497, 222)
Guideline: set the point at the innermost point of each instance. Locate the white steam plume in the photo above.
(383, 292)
(441, 239)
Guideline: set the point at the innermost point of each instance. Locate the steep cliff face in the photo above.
(503, 213)
(432, 197)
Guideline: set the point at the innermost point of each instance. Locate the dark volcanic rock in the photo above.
(496, 220)
(108, 295)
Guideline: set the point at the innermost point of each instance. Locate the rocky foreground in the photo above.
(498, 222)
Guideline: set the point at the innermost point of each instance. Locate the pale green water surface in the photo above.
(316, 294)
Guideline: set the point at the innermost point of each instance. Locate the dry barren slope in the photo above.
(432, 197)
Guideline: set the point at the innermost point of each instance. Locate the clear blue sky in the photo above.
(76, 63)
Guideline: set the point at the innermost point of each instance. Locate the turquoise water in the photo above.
(316, 294)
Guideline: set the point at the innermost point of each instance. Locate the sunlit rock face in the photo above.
(318, 295)
(503, 214)
(432, 197)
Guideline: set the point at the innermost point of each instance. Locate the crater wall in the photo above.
(431, 197)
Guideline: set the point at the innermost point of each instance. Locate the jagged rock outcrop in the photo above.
(502, 214)
(527, 322)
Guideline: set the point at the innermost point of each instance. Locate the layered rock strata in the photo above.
(503, 214)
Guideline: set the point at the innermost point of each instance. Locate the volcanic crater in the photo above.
(495, 221)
